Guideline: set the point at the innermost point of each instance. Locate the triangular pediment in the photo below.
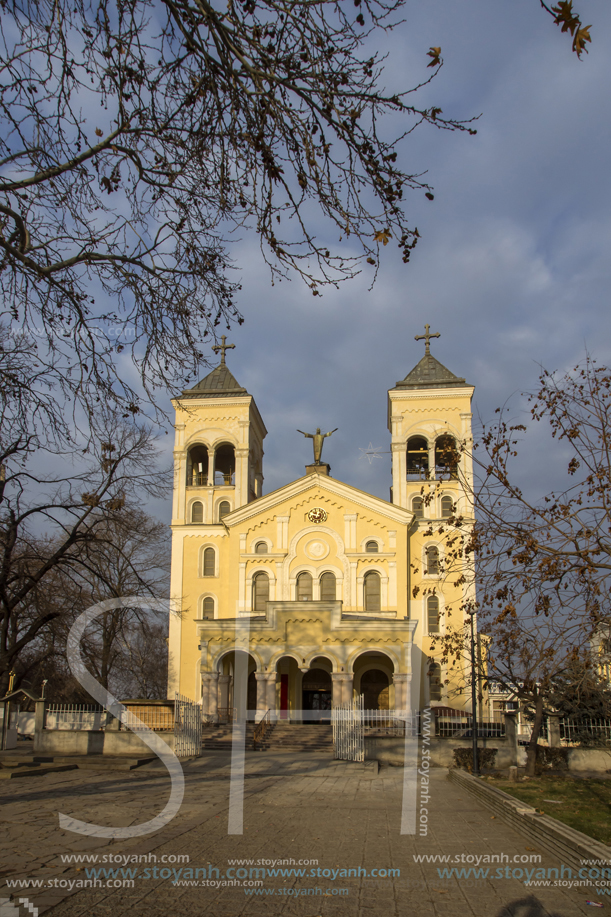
(320, 482)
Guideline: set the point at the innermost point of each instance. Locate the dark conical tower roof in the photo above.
(429, 372)
(220, 382)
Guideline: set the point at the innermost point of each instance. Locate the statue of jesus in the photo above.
(318, 438)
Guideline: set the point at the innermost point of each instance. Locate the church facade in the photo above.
(322, 592)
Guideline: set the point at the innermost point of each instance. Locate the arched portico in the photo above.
(373, 673)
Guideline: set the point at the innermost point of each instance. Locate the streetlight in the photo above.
(471, 614)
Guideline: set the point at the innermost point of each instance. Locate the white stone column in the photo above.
(271, 703)
(211, 687)
(223, 692)
(336, 682)
(402, 686)
(399, 473)
(180, 484)
(262, 678)
(241, 476)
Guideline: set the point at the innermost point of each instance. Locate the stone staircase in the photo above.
(282, 736)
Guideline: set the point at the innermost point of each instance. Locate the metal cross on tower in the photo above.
(223, 347)
(426, 338)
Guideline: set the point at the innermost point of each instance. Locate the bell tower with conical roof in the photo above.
(218, 454)
(429, 419)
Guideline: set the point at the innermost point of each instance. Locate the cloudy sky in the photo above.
(513, 267)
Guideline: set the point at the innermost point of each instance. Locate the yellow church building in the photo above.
(331, 592)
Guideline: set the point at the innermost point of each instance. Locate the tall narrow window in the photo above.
(197, 512)
(435, 680)
(417, 458)
(372, 547)
(418, 507)
(304, 587)
(372, 591)
(208, 607)
(224, 510)
(224, 464)
(447, 506)
(432, 609)
(446, 457)
(197, 466)
(432, 560)
(260, 592)
(261, 547)
(327, 587)
(209, 562)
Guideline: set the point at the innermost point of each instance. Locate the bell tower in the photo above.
(218, 453)
(429, 419)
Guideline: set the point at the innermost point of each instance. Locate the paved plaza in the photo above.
(343, 816)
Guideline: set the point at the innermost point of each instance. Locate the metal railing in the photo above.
(459, 725)
(585, 731)
(75, 716)
(262, 729)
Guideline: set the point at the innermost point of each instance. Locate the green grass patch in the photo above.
(581, 804)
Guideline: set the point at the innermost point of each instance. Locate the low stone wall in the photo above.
(90, 742)
(389, 750)
(564, 843)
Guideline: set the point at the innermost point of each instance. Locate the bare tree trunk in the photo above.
(531, 752)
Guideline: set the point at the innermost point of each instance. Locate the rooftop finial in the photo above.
(427, 339)
(223, 347)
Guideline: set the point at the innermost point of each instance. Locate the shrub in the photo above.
(463, 757)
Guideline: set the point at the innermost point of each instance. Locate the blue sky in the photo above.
(513, 267)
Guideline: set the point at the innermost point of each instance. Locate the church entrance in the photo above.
(317, 695)
(375, 689)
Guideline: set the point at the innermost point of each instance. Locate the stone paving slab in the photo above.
(295, 809)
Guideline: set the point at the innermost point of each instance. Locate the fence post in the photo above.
(40, 715)
(553, 731)
(511, 733)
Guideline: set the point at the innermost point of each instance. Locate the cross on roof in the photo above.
(223, 347)
(427, 339)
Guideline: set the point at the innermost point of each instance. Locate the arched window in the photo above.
(434, 674)
(197, 511)
(417, 458)
(304, 587)
(372, 547)
(432, 560)
(418, 507)
(261, 547)
(208, 607)
(209, 562)
(224, 464)
(197, 466)
(372, 591)
(224, 509)
(446, 457)
(432, 611)
(260, 592)
(327, 587)
(446, 507)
